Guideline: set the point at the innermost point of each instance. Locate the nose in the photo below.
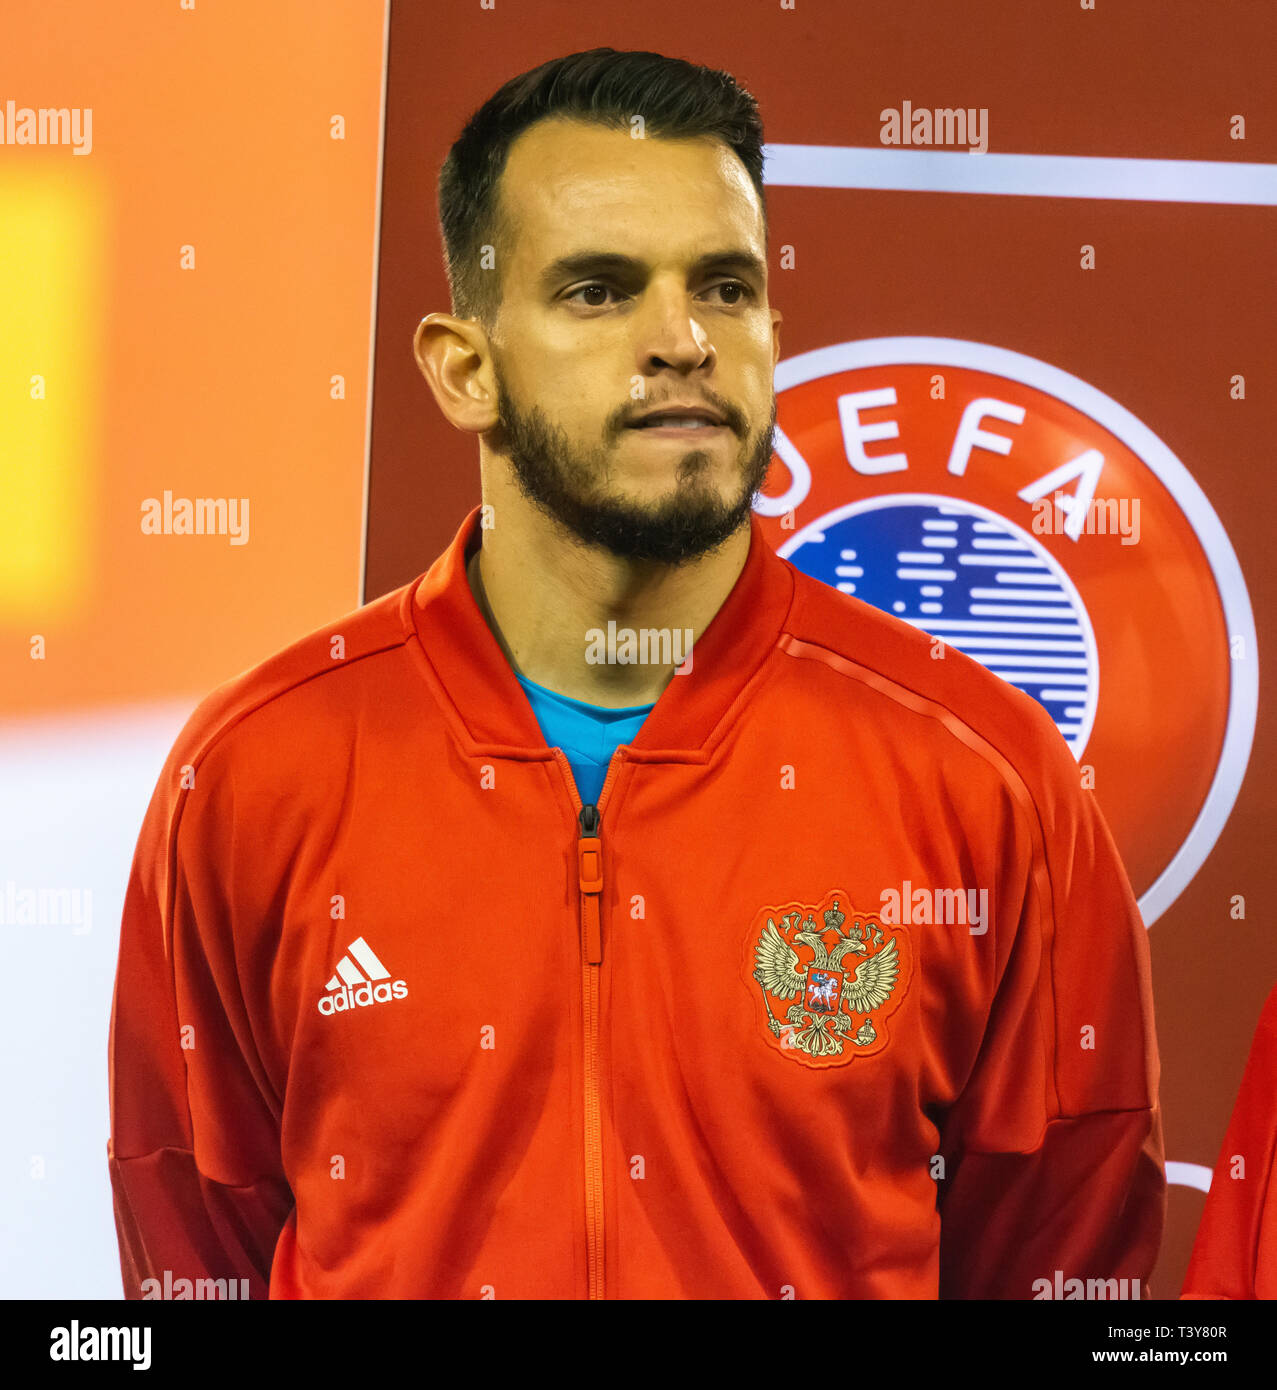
(670, 334)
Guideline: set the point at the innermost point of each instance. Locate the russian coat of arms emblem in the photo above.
(827, 992)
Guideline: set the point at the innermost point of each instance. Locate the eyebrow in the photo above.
(613, 263)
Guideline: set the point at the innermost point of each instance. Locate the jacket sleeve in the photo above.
(1235, 1253)
(1054, 1165)
(194, 1150)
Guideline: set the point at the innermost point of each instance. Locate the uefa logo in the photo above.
(1033, 523)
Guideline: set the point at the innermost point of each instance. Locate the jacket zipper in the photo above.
(589, 850)
(590, 874)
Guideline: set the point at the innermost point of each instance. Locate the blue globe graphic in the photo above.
(973, 579)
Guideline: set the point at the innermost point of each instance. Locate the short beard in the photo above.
(567, 483)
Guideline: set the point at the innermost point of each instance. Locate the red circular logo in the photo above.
(1032, 522)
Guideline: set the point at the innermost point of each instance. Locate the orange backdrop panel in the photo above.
(187, 310)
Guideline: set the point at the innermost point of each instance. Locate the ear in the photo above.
(455, 359)
(777, 316)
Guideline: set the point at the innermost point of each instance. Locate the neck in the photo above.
(542, 594)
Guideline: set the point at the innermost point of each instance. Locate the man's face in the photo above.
(581, 351)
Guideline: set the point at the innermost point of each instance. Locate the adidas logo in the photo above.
(352, 987)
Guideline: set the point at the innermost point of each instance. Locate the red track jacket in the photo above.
(396, 1017)
(1235, 1253)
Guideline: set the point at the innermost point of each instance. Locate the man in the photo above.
(531, 932)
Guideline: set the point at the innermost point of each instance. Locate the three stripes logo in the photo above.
(360, 980)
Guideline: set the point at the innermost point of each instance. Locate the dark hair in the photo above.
(677, 99)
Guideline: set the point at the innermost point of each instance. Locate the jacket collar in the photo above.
(492, 710)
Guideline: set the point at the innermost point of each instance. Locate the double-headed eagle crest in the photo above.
(827, 995)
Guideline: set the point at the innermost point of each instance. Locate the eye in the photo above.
(593, 285)
(741, 286)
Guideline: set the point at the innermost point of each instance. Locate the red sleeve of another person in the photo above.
(1235, 1254)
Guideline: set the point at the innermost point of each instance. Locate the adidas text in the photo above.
(347, 998)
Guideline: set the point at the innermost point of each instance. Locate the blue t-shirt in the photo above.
(588, 734)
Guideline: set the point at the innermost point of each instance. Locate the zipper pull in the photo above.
(590, 878)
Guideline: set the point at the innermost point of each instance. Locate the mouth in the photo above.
(680, 427)
(702, 429)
